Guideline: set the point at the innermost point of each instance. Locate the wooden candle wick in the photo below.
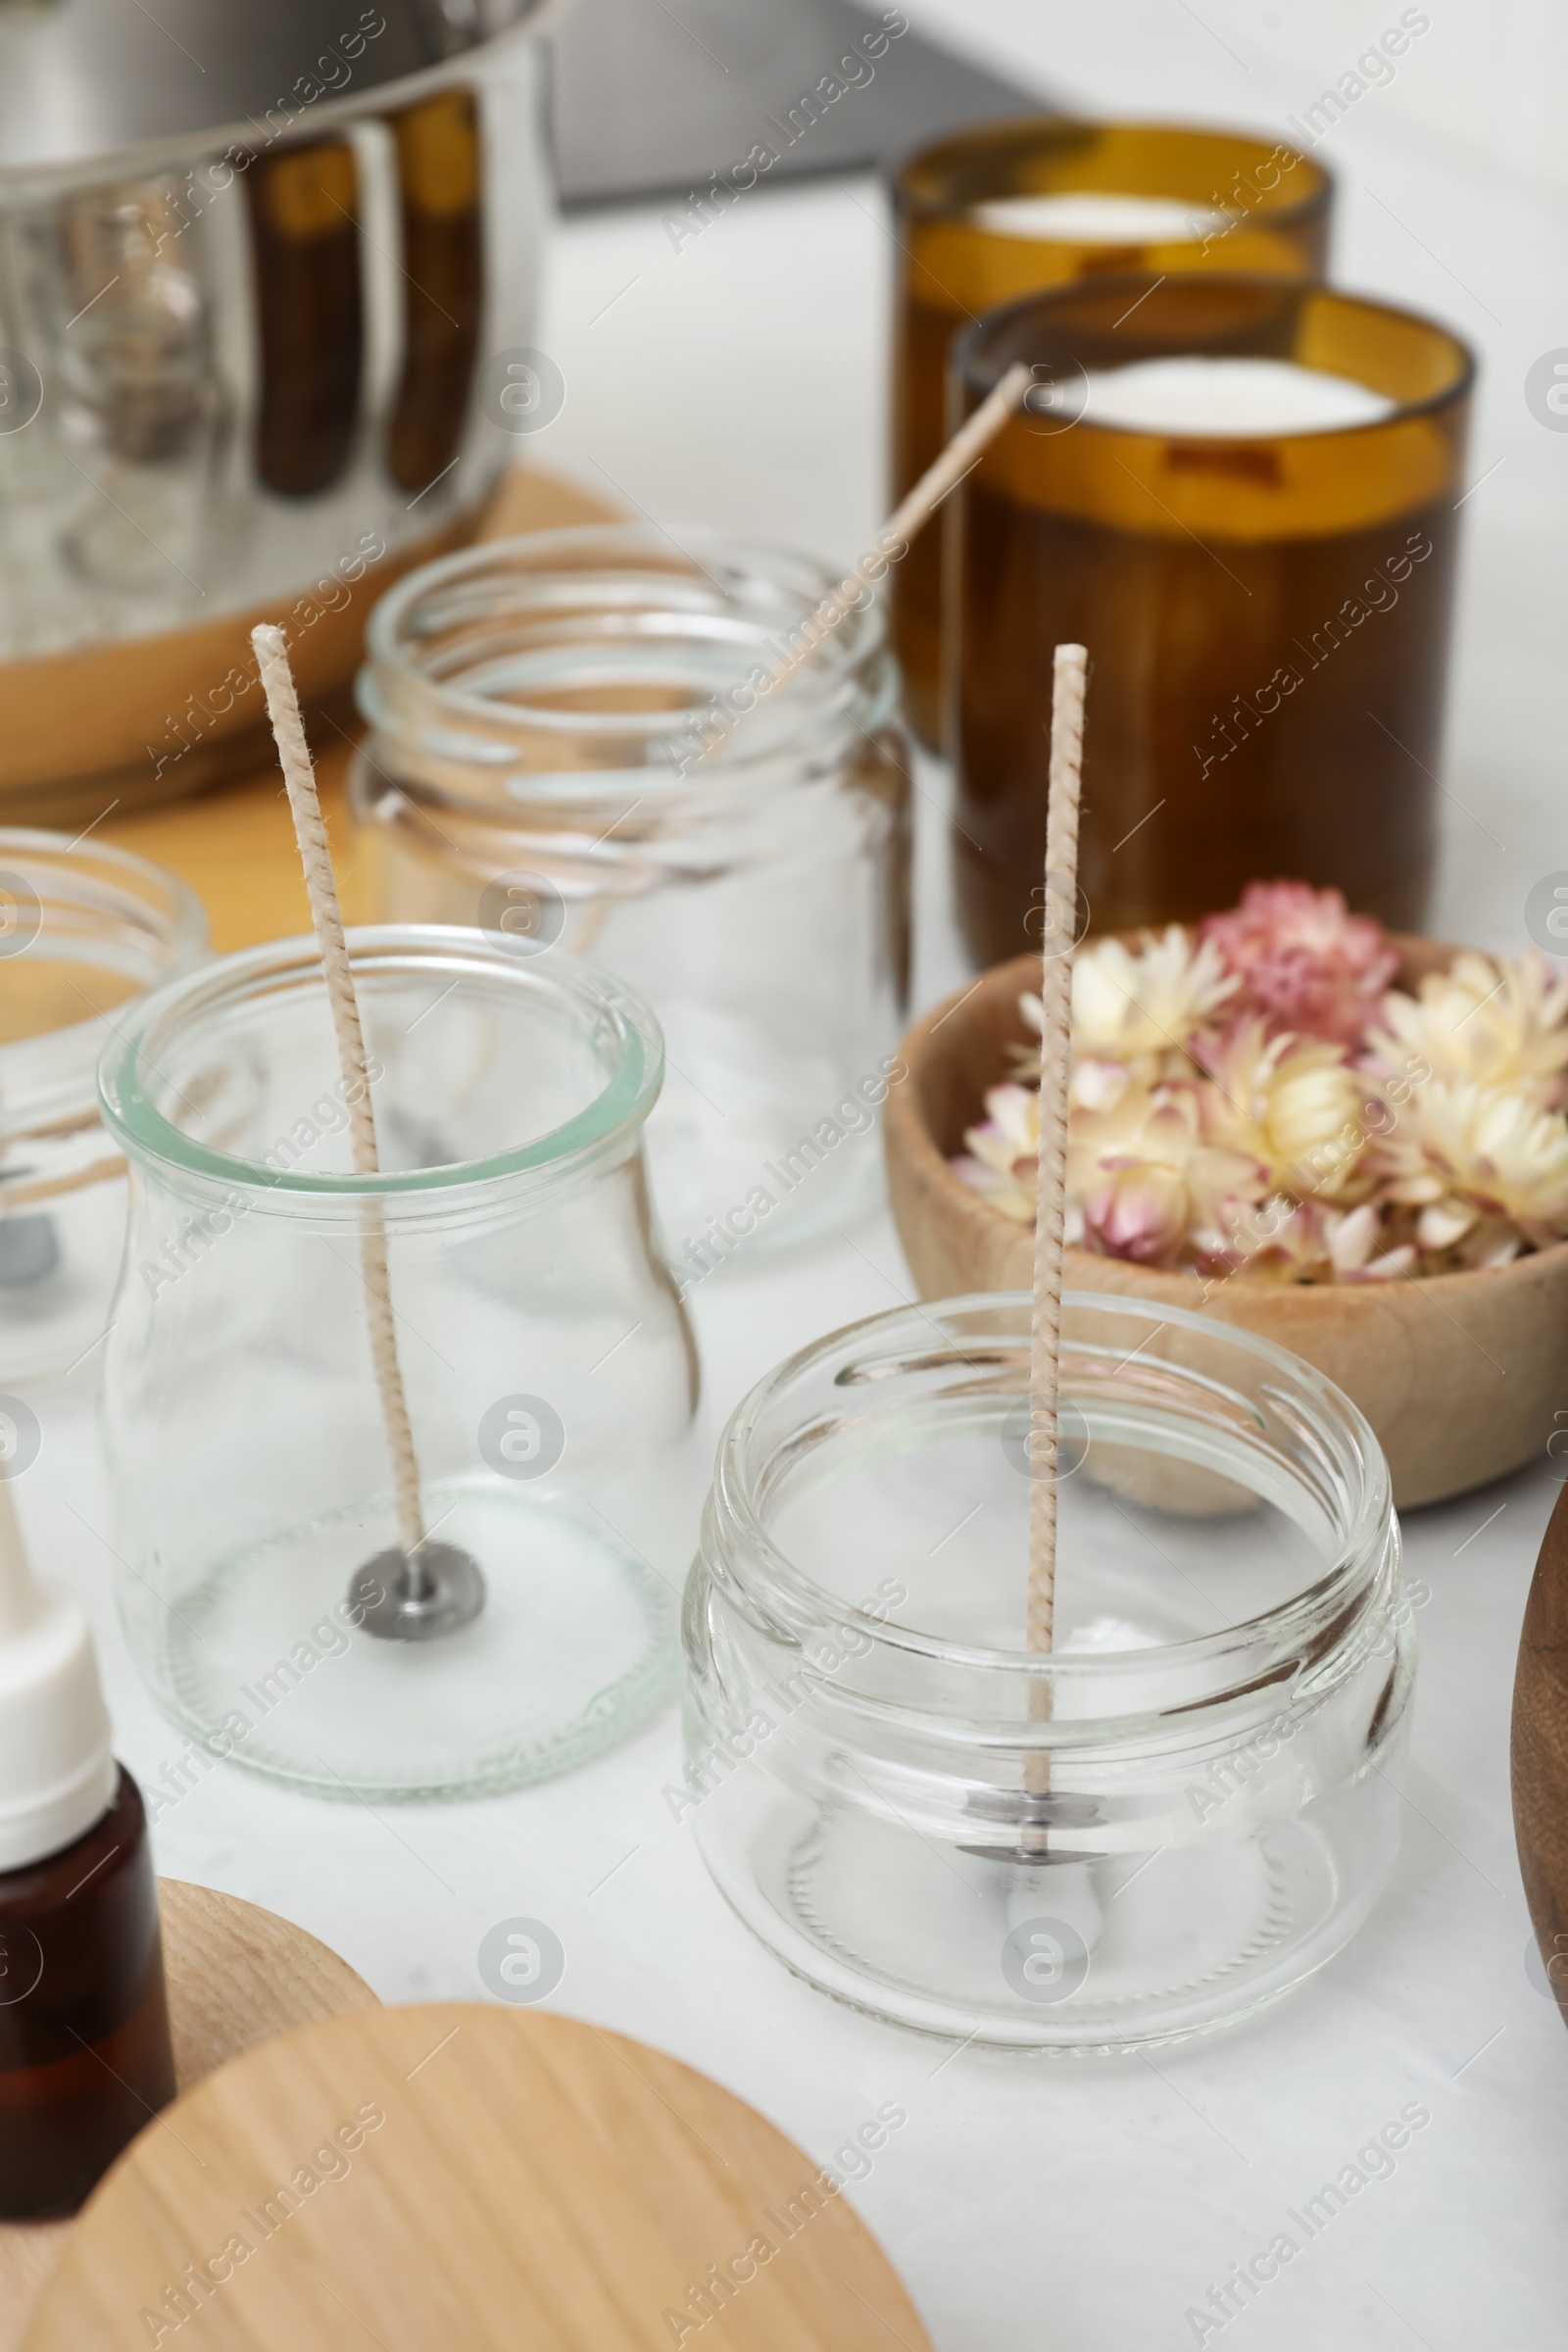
(962, 453)
(1068, 680)
(283, 709)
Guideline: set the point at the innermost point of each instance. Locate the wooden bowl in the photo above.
(1459, 1374)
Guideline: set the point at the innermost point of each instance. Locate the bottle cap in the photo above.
(58, 1773)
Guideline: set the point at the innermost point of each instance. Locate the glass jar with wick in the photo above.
(84, 929)
(569, 748)
(1170, 1819)
(546, 1367)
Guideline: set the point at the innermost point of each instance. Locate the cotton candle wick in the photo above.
(1068, 681)
(962, 453)
(425, 1589)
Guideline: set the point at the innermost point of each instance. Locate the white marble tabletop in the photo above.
(1088, 2205)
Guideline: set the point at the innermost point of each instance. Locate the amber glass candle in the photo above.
(1014, 206)
(1266, 611)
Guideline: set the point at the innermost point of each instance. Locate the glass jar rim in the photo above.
(49, 1073)
(619, 1107)
(845, 652)
(1367, 1520)
(1050, 128)
(187, 927)
(975, 371)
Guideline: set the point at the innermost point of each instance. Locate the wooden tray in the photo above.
(236, 1977)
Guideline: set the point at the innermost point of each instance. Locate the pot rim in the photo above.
(154, 151)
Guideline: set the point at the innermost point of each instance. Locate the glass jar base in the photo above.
(263, 1662)
(1091, 1954)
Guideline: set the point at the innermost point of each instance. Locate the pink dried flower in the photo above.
(1303, 962)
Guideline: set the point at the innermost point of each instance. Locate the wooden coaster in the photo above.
(236, 1977)
(469, 2176)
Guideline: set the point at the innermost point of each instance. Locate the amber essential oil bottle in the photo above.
(86, 2058)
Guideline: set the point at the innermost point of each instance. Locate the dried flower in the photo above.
(1256, 1101)
(1139, 1007)
(1501, 1024)
(1465, 1153)
(1148, 1183)
(1301, 962)
(1297, 1108)
(1304, 1240)
(1005, 1159)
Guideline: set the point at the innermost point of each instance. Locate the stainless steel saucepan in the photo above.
(267, 275)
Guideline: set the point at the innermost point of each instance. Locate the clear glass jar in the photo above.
(83, 930)
(549, 1370)
(539, 709)
(1155, 1828)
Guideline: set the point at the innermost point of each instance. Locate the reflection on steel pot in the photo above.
(252, 265)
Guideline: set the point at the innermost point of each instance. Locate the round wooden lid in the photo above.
(463, 2175)
(237, 1975)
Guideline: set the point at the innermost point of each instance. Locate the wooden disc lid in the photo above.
(237, 1975)
(469, 2176)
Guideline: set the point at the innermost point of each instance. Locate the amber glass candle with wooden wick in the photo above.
(1010, 208)
(1267, 611)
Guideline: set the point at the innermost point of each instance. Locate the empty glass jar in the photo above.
(567, 747)
(84, 929)
(548, 1367)
(1170, 1819)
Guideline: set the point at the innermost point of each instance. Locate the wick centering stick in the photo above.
(424, 1589)
(1068, 680)
(962, 453)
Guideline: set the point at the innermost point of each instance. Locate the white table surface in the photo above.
(1085, 2205)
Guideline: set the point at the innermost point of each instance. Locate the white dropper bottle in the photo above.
(82, 1968)
(58, 1773)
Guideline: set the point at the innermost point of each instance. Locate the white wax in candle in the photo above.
(1228, 398)
(1084, 217)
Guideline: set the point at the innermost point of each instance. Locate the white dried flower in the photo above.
(1501, 1023)
(1003, 1163)
(1140, 1007)
(1464, 1153)
(1297, 1108)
